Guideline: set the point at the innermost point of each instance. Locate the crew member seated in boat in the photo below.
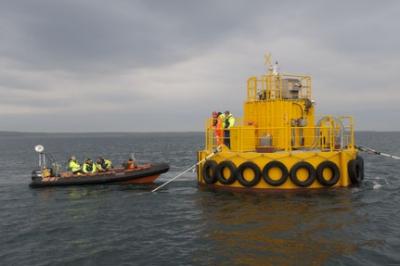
(103, 165)
(229, 122)
(89, 167)
(130, 164)
(73, 165)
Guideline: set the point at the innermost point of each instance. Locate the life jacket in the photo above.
(229, 121)
(99, 167)
(221, 121)
(130, 164)
(73, 166)
(89, 168)
(105, 164)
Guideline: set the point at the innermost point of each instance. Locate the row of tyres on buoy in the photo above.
(213, 172)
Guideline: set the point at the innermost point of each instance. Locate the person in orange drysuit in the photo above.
(214, 126)
(219, 132)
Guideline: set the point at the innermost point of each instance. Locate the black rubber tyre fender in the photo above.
(361, 161)
(220, 170)
(335, 173)
(355, 170)
(269, 180)
(209, 171)
(311, 174)
(240, 171)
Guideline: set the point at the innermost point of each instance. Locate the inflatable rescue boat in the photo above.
(142, 174)
(50, 176)
(279, 144)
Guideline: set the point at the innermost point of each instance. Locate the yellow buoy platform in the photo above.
(279, 143)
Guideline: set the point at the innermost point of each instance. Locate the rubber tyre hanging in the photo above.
(335, 173)
(240, 174)
(311, 174)
(209, 172)
(355, 170)
(275, 182)
(220, 172)
(361, 161)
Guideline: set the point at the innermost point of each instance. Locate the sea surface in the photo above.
(184, 225)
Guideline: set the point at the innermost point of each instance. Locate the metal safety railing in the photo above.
(327, 136)
(280, 86)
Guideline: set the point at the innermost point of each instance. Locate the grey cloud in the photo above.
(363, 30)
(183, 59)
(76, 35)
(19, 84)
(107, 35)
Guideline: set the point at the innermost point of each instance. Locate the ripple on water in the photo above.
(108, 225)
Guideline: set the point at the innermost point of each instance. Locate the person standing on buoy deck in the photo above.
(229, 122)
(214, 126)
(218, 120)
(220, 128)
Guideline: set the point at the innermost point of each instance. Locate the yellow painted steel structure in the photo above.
(279, 124)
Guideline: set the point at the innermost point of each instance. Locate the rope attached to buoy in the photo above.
(372, 151)
(218, 149)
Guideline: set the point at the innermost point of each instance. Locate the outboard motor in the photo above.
(37, 174)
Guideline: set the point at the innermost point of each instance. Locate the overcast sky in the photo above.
(79, 65)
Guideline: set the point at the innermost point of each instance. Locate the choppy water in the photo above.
(182, 225)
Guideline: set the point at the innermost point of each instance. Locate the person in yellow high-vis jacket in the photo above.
(103, 165)
(228, 123)
(89, 167)
(73, 165)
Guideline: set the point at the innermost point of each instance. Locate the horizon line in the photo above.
(128, 132)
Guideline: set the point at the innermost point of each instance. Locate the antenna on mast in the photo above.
(268, 61)
(272, 68)
(42, 157)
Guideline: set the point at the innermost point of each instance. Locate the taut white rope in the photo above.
(187, 170)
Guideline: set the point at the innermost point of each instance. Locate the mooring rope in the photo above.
(372, 151)
(218, 149)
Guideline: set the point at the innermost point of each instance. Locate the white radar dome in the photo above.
(39, 148)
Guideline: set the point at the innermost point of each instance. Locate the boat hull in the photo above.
(141, 175)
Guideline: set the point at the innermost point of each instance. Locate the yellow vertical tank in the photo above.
(279, 144)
